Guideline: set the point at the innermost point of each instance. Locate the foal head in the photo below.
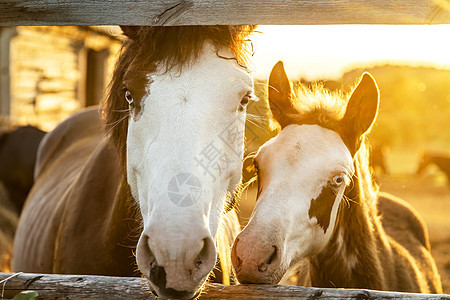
(303, 174)
(182, 93)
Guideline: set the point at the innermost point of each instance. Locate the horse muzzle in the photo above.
(178, 268)
(257, 261)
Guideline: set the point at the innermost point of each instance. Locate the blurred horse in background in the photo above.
(8, 224)
(18, 149)
(438, 159)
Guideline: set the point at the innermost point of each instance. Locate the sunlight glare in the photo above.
(325, 51)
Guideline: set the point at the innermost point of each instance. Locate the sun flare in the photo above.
(325, 51)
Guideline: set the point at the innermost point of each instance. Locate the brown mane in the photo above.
(174, 47)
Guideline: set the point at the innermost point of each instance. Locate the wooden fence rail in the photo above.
(211, 12)
(102, 287)
(204, 12)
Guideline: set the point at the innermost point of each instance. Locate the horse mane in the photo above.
(181, 45)
(317, 105)
(174, 47)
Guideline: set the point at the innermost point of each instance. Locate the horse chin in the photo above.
(257, 278)
(171, 293)
(174, 294)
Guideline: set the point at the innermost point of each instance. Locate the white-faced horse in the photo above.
(159, 170)
(318, 212)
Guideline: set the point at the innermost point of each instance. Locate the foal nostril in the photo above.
(238, 262)
(273, 255)
(263, 267)
(235, 259)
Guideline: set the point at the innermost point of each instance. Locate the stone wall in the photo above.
(48, 71)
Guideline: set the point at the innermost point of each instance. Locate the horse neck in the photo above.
(122, 220)
(125, 210)
(442, 163)
(351, 258)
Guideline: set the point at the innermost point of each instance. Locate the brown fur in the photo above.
(9, 218)
(388, 239)
(18, 148)
(440, 160)
(383, 236)
(75, 200)
(80, 217)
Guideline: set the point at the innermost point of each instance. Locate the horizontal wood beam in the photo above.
(211, 12)
(101, 287)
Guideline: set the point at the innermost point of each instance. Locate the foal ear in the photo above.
(280, 95)
(131, 31)
(361, 112)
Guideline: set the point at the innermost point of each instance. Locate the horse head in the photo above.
(184, 92)
(303, 173)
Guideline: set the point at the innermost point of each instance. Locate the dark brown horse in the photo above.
(159, 170)
(440, 160)
(9, 218)
(318, 211)
(377, 159)
(18, 148)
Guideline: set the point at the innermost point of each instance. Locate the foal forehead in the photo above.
(298, 143)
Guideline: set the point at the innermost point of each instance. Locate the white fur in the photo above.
(294, 167)
(183, 113)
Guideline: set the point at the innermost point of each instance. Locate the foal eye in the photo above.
(338, 180)
(129, 97)
(256, 166)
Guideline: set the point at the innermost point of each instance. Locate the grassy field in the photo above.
(428, 194)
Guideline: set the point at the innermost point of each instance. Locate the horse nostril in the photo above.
(236, 260)
(145, 258)
(158, 276)
(198, 263)
(273, 255)
(263, 267)
(203, 254)
(239, 261)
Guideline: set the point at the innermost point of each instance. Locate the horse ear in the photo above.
(361, 112)
(280, 95)
(131, 31)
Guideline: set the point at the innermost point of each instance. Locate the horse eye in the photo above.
(256, 166)
(129, 97)
(338, 180)
(245, 100)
